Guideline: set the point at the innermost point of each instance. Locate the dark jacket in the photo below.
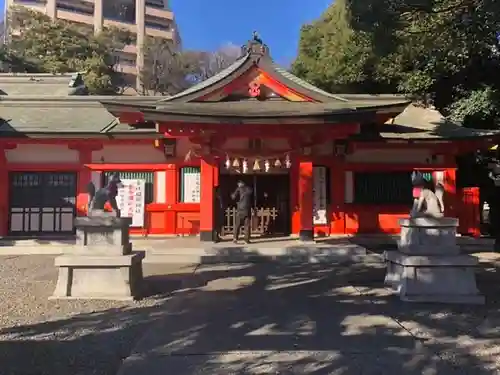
(243, 196)
(219, 201)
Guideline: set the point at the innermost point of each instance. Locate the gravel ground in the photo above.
(38, 336)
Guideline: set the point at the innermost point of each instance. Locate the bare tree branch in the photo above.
(167, 71)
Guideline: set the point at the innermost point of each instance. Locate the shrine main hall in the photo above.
(319, 164)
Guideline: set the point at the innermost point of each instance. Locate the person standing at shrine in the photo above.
(243, 198)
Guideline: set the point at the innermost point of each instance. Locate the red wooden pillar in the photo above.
(450, 187)
(171, 198)
(294, 197)
(209, 170)
(84, 177)
(337, 193)
(306, 232)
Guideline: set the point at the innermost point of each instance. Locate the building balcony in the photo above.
(159, 21)
(74, 17)
(160, 13)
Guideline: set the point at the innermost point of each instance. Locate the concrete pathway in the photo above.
(341, 249)
(274, 318)
(191, 250)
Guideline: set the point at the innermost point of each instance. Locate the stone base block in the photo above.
(99, 250)
(103, 235)
(113, 277)
(428, 236)
(440, 279)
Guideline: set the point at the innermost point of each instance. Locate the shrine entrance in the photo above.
(271, 203)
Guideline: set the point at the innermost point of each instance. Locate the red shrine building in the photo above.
(319, 163)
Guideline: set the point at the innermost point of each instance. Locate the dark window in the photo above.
(73, 9)
(154, 5)
(123, 11)
(30, 1)
(383, 188)
(157, 26)
(136, 175)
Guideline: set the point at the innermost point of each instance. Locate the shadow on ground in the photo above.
(271, 318)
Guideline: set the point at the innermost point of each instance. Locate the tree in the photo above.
(167, 71)
(443, 53)
(59, 46)
(208, 64)
(337, 58)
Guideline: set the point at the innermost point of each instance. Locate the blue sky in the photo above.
(208, 24)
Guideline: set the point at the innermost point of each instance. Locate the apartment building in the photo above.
(142, 17)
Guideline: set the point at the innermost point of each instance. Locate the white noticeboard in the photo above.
(192, 185)
(319, 195)
(131, 201)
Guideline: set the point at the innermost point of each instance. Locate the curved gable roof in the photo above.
(257, 55)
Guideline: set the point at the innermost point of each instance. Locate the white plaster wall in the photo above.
(418, 156)
(96, 179)
(128, 154)
(439, 177)
(349, 187)
(160, 186)
(27, 153)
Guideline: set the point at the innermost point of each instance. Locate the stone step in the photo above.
(312, 254)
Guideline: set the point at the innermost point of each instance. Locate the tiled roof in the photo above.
(42, 84)
(305, 84)
(61, 115)
(210, 81)
(416, 123)
(255, 108)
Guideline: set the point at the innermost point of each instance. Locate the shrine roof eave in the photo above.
(116, 108)
(224, 111)
(142, 134)
(286, 118)
(428, 138)
(411, 135)
(420, 124)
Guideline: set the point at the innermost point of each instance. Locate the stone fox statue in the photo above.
(98, 198)
(429, 203)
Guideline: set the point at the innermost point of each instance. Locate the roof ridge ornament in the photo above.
(255, 46)
(256, 37)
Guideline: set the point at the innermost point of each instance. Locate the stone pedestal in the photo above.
(102, 266)
(428, 266)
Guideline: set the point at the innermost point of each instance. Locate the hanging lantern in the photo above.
(228, 162)
(267, 166)
(236, 163)
(256, 166)
(288, 162)
(277, 163)
(245, 166)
